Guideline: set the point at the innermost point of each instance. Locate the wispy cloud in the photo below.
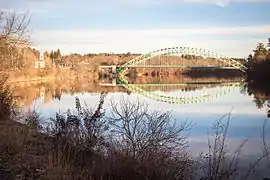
(229, 1)
(230, 41)
(12, 10)
(28, 6)
(83, 4)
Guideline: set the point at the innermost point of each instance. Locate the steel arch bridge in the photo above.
(194, 97)
(179, 51)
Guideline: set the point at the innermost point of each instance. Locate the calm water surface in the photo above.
(246, 119)
(214, 102)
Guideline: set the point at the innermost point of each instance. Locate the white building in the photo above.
(40, 61)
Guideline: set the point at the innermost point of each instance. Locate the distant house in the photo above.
(39, 61)
(33, 58)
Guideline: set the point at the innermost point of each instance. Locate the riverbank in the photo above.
(78, 72)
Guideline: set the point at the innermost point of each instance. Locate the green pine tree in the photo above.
(260, 50)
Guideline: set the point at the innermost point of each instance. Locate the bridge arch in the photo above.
(178, 51)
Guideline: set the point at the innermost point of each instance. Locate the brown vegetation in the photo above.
(7, 100)
(78, 147)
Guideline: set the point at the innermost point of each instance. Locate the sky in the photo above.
(229, 27)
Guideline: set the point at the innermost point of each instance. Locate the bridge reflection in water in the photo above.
(181, 93)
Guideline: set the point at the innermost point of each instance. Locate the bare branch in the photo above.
(150, 139)
(14, 34)
(14, 29)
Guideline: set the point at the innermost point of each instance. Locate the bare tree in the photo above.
(148, 144)
(14, 34)
(218, 163)
(14, 29)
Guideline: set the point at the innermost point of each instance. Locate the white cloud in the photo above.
(11, 10)
(140, 3)
(217, 2)
(230, 41)
(221, 1)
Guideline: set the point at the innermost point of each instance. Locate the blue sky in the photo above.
(229, 27)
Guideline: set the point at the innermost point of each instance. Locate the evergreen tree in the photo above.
(55, 56)
(58, 54)
(260, 50)
(51, 55)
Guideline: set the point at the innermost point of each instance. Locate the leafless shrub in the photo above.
(264, 156)
(78, 137)
(218, 164)
(7, 101)
(33, 120)
(84, 127)
(145, 144)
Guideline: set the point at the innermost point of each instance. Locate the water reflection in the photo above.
(194, 91)
(260, 93)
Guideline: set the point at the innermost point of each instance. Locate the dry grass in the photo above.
(22, 149)
(15, 137)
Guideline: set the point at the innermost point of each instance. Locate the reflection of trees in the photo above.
(57, 96)
(268, 106)
(244, 90)
(261, 94)
(57, 93)
(259, 103)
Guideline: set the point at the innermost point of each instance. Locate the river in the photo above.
(201, 104)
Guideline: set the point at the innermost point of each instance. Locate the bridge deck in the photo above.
(167, 66)
(186, 84)
(176, 66)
